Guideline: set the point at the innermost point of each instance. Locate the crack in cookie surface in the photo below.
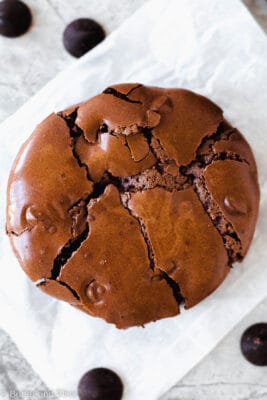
(77, 239)
(182, 178)
(122, 96)
(125, 197)
(175, 288)
(75, 133)
(205, 156)
(232, 242)
(67, 251)
(44, 281)
(17, 234)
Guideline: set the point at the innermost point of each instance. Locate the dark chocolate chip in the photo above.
(82, 35)
(235, 206)
(15, 18)
(254, 344)
(95, 292)
(100, 384)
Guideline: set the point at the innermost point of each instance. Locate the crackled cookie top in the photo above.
(133, 203)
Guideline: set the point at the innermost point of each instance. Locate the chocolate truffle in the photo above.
(100, 384)
(254, 344)
(82, 35)
(133, 203)
(15, 18)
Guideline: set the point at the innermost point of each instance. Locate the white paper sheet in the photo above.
(218, 50)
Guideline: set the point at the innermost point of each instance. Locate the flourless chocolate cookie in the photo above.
(100, 384)
(133, 203)
(15, 18)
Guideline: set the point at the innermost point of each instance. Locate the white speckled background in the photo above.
(26, 65)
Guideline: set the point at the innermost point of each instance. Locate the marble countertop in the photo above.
(223, 374)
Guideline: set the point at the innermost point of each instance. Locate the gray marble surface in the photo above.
(223, 374)
(30, 61)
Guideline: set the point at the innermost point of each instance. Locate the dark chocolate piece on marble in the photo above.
(254, 344)
(82, 35)
(15, 18)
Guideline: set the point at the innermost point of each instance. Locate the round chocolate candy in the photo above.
(254, 344)
(100, 384)
(15, 18)
(82, 35)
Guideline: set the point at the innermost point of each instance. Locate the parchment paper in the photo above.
(218, 50)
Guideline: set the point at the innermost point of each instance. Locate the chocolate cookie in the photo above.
(133, 203)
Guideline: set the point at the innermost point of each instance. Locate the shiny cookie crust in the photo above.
(133, 203)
